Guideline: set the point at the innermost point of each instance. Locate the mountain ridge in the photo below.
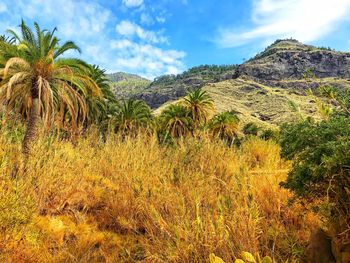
(283, 72)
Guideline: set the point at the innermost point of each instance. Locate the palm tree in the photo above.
(101, 109)
(225, 126)
(37, 82)
(199, 105)
(132, 116)
(175, 120)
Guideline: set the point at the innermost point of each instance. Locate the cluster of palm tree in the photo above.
(188, 115)
(185, 118)
(42, 86)
(193, 113)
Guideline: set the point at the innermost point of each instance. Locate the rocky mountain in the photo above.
(290, 59)
(262, 88)
(171, 87)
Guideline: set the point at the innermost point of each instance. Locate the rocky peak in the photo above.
(290, 59)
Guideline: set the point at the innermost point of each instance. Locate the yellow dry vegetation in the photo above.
(133, 200)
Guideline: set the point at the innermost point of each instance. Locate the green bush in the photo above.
(320, 151)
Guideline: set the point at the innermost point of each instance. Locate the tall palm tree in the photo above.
(225, 126)
(199, 105)
(37, 82)
(175, 120)
(132, 116)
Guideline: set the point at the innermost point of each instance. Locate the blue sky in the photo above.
(155, 37)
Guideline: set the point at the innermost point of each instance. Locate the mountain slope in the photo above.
(258, 103)
(122, 76)
(261, 88)
(171, 87)
(126, 85)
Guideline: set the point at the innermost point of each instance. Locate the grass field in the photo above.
(133, 200)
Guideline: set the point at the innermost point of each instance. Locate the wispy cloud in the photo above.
(305, 20)
(149, 60)
(130, 29)
(132, 3)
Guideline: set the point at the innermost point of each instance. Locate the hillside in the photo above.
(261, 88)
(122, 76)
(258, 103)
(171, 87)
(125, 85)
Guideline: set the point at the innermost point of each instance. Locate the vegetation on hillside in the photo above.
(127, 85)
(287, 44)
(201, 74)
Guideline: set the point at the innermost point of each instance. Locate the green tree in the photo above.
(37, 82)
(270, 134)
(175, 120)
(225, 126)
(199, 104)
(132, 116)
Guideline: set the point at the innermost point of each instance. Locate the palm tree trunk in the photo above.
(31, 132)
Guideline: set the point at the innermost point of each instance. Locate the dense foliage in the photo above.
(320, 151)
(225, 125)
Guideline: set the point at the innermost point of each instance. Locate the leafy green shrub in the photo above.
(319, 150)
(321, 163)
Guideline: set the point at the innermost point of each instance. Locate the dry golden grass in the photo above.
(134, 200)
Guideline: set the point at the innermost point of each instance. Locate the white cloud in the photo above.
(130, 29)
(93, 27)
(132, 3)
(149, 60)
(78, 19)
(305, 20)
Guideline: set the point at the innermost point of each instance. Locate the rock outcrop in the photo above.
(290, 59)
